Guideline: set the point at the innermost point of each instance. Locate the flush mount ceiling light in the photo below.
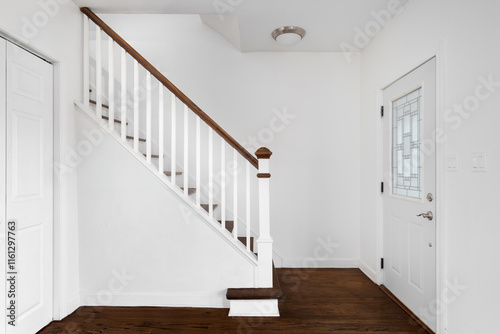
(288, 35)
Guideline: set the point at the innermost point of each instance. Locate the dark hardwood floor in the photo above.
(315, 301)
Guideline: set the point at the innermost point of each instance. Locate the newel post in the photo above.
(265, 242)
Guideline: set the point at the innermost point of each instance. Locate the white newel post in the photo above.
(265, 242)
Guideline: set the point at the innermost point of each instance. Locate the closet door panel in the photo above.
(3, 117)
(29, 173)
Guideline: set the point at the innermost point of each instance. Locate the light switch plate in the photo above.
(479, 162)
(452, 162)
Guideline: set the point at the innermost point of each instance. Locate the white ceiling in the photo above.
(248, 24)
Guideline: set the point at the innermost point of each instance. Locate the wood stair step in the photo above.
(154, 156)
(170, 173)
(116, 120)
(205, 207)
(140, 139)
(190, 191)
(257, 293)
(229, 225)
(243, 240)
(103, 105)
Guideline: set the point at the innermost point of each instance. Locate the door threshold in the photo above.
(406, 309)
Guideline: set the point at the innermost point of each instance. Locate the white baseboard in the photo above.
(278, 260)
(320, 263)
(368, 271)
(158, 299)
(72, 304)
(446, 332)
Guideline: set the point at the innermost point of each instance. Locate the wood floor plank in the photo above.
(339, 301)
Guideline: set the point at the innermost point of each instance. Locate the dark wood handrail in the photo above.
(170, 86)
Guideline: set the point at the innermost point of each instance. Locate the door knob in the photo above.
(427, 215)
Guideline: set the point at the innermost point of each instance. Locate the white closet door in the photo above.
(30, 184)
(3, 54)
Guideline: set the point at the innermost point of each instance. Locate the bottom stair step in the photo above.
(255, 302)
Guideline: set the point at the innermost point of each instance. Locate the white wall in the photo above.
(466, 30)
(315, 166)
(133, 227)
(53, 29)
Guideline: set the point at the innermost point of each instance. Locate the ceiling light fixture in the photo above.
(288, 35)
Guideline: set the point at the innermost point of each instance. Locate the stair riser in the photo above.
(254, 308)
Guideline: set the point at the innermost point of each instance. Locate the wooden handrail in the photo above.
(170, 86)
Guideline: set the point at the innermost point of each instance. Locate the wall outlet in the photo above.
(452, 162)
(479, 161)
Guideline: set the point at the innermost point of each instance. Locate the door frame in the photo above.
(60, 188)
(437, 51)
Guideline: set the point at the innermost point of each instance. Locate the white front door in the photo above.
(410, 191)
(29, 187)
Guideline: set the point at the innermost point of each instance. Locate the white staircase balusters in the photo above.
(161, 128)
(186, 150)
(86, 61)
(174, 140)
(247, 202)
(223, 183)
(210, 173)
(98, 73)
(148, 117)
(123, 105)
(243, 207)
(235, 193)
(136, 106)
(198, 161)
(111, 84)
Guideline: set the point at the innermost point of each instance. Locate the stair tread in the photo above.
(205, 206)
(229, 225)
(257, 293)
(243, 240)
(116, 120)
(154, 156)
(132, 138)
(170, 173)
(95, 102)
(190, 191)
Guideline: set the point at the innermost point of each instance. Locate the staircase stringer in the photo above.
(164, 180)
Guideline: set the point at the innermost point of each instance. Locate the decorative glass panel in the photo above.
(406, 154)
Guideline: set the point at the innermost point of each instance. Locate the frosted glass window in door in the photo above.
(406, 153)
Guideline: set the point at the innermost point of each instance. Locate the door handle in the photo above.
(427, 215)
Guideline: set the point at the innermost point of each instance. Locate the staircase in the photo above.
(187, 151)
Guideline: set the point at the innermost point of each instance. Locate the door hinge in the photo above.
(382, 187)
(382, 263)
(382, 111)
